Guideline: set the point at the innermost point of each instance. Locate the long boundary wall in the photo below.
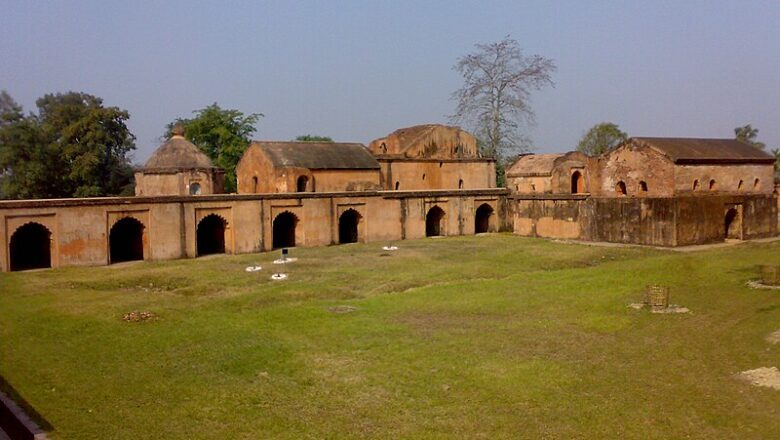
(658, 221)
(80, 228)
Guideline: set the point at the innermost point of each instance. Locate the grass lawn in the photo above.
(472, 337)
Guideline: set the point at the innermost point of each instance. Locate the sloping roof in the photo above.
(691, 150)
(178, 153)
(318, 155)
(533, 165)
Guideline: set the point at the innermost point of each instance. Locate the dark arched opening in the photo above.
(348, 226)
(211, 235)
(642, 186)
(577, 183)
(482, 218)
(254, 184)
(284, 230)
(397, 185)
(303, 182)
(732, 224)
(434, 222)
(620, 188)
(30, 247)
(460, 183)
(126, 241)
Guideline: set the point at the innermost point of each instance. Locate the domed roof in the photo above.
(178, 153)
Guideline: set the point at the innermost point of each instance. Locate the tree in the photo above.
(73, 147)
(748, 135)
(776, 153)
(601, 138)
(495, 97)
(222, 134)
(313, 138)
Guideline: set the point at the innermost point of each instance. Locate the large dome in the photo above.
(178, 153)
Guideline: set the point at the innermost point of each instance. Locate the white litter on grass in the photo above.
(762, 377)
(279, 276)
(390, 248)
(757, 284)
(253, 268)
(285, 260)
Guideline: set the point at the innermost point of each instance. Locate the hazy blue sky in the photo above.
(358, 70)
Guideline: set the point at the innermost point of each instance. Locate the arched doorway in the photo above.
(733, 223)
(302, 183)
(348, 226)
(620, 188)
(284, 230)
(126, 241)
(577, 183)
(434, 222)
(211, 235)
(30, 247)
(482, 218)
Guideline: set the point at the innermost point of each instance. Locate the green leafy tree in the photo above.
(494, 100)
(222, 134)
(313, 138)
(73, 147)
(748, 135)
(601, 138)
(776, 153)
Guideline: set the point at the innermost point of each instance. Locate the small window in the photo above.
(756, 184)
(423, 176)
(303, 182)
(642, 186)
(620, 188)
(696, 185)
(460, 184)
(517, 187)
(397, 185)
(254, 184)
(533, 187)
(713, 185)
(195, 189)
(440, 164)
(740, 185)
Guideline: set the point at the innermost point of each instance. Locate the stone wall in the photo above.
(425, 175)
(658, 221)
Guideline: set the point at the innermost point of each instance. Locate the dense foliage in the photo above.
(601, 138)
(73, 147)
(313, 138)
(222, 134)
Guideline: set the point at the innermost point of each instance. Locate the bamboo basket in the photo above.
(770, 274)
(657, 297)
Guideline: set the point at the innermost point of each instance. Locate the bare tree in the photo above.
(495, 98)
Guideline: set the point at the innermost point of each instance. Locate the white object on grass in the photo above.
(253, 268)
(285, 260)
(279, 276)
(390, 248)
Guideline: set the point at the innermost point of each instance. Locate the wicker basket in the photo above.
(770, 274)
(658, 297)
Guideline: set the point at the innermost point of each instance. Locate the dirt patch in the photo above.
(774, 337)
(342, 309)
(137, 316)
(762, 377)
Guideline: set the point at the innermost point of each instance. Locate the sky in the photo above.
(357, 70)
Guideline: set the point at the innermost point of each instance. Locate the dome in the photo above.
(178, 153)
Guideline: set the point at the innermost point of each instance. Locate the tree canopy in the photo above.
(222, 134)
(313, 138)
(601, 138)
(73, 147)
(494, 100)
(748, 134)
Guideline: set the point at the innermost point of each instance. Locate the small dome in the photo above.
(178, 153)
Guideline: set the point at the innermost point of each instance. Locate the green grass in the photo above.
(472, 337)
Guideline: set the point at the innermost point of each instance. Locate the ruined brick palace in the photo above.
(420, 181)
